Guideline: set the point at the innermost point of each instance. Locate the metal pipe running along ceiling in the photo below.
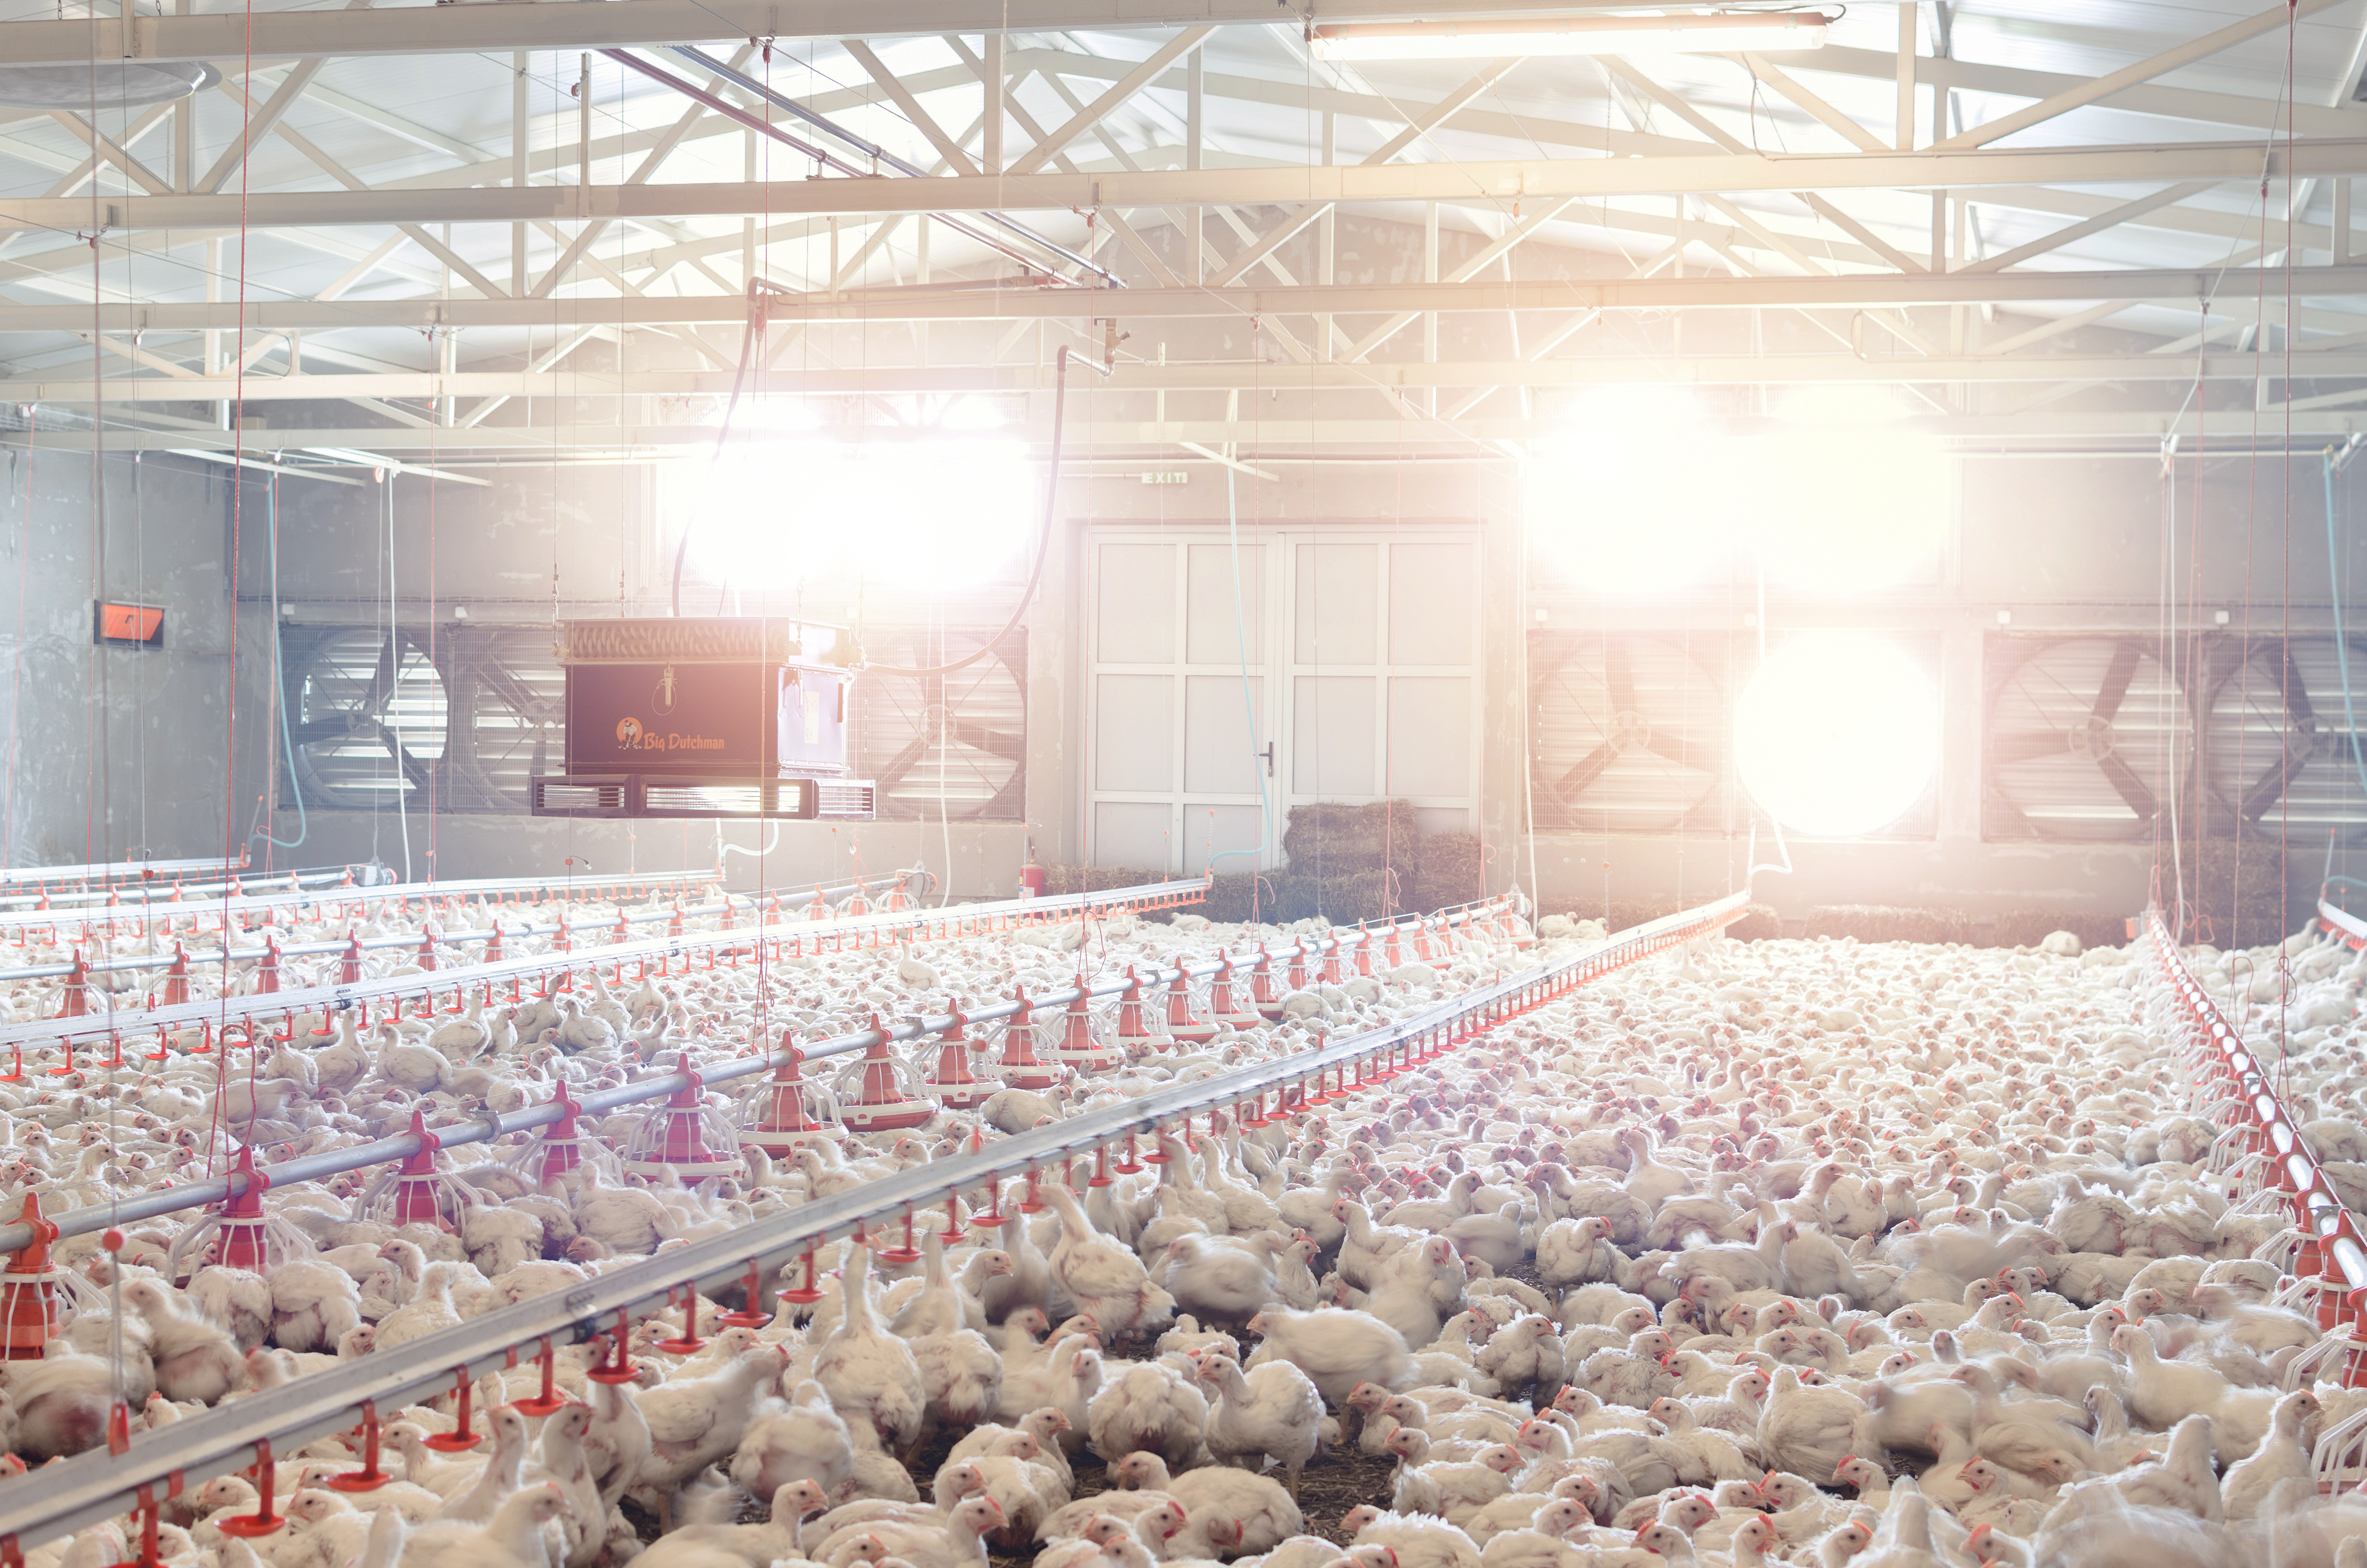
(96, 1486)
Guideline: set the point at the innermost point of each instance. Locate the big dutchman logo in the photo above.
(629, 733)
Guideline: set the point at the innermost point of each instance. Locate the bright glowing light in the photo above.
(970, 412)
(931, 515)
(1848, 499)
(1638, 500)
(1837, 733)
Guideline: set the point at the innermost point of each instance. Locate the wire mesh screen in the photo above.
(955, 743)
(377, 716)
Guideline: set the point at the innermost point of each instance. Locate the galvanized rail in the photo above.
(495, 933)
(93, 1487)
(483, 1128)
(787, 934)
(99, 881)
(120, 905)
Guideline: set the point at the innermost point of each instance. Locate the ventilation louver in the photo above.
(2085, 737)
(1628, 731)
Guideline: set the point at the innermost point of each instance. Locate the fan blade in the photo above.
(2116, 681)
(2268, 786)
(413, 770)
(1590, 768)
(1618, 677)
(2132, 788)
(901, 763)
(513, 694)
(2296, 695)
(2029, 745)
(1699, 755)
(995, 743)
(382, 686)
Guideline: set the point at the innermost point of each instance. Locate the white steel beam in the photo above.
(2104, 86)
(2191, 104)
(1092, 114)
(1857, 290)
(1255, 440)
(623, 24)
(1041, 191)
(882, 380)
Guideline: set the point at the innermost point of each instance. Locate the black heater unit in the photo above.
(731, 717)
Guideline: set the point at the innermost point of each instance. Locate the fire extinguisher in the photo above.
(1031, 875)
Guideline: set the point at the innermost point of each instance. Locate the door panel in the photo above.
(1332, 741)
(1361, 649)
(1212, 634)
(1424, 711)
(1433, 603)
(1210, 830)
(1134, 746)
(1131, 833)
(1337, 611)
(1219, 757)
(1137, 620)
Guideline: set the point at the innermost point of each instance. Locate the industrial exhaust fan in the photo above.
(704, 716)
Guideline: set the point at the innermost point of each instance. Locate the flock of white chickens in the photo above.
(1786, 1251)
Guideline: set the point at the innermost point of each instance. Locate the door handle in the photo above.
(1268, 754)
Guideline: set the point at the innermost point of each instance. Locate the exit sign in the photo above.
(1167, 476)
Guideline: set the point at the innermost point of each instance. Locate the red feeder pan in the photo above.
(1134, 1035)
(245, 1236)
(685, 1135)
(1081, 1047)
(1021, 1068)
(415, 1192)
(37, 1298)
(559, 1147)
(1264, 995)
(952, 1084)
(877, 1093)
(1226, 1008)
(788, 1111)
(1181, 1025)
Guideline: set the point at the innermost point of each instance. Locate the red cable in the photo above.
(17, 665)
(237, 509)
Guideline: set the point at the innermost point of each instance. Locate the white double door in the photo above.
(1228, 679)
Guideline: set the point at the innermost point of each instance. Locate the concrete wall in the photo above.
(116, 751)
(139, 738)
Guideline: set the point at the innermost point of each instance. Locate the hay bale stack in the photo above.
(1230, 899)
(1059, 881)
(1327, 837)
(1454, 870)
(1345, 897)
(1760, 923)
